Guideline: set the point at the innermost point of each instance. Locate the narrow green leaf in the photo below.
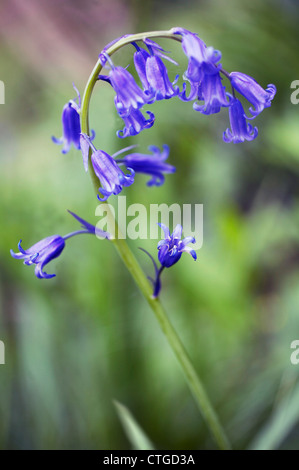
(134, 433)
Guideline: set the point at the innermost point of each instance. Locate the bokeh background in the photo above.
(76, 343)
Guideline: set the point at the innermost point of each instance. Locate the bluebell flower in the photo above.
(153, 73)
(128, 93)
(253, 92)
(158, 79)
(240, 130)
(70, 124)
(169, 252)
(41, 254)
(111, 177)
(172, 247)
(140, 58)
(212, 92)
(201, 59)
(153, 165)
(135, 122)
(51, 247)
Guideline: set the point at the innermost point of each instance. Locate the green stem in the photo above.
(137, 273)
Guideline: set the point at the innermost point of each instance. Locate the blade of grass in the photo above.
(133, 431)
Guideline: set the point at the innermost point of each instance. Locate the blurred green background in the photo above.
(87, 337)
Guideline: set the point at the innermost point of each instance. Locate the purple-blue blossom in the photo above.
(153, 165)
(213, 93)
(201, 59)
(128, 93)
(133, 118)
(169, 252)
(134, 121)
(140, 58)
(253, 92)
(41, 254)
(172, 247)
(71, 127)
(153, 73)
(44, 251)
(111, 177)
(240, 129)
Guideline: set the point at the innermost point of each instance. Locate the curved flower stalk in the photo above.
(44, 251)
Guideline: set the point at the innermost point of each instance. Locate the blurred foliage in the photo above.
(85, 338)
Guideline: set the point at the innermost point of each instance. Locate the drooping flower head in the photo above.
(153, 73)
(128, 93)
(172, 247)
(44, 251)
(153, 165)
(240, 130)
(41, 254)
(253, 92)
(111, 177)
(213, 93)
(202, 59)
(70, 124)
(169, 252)
(135, 122)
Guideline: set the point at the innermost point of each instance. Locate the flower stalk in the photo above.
(134, 268)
